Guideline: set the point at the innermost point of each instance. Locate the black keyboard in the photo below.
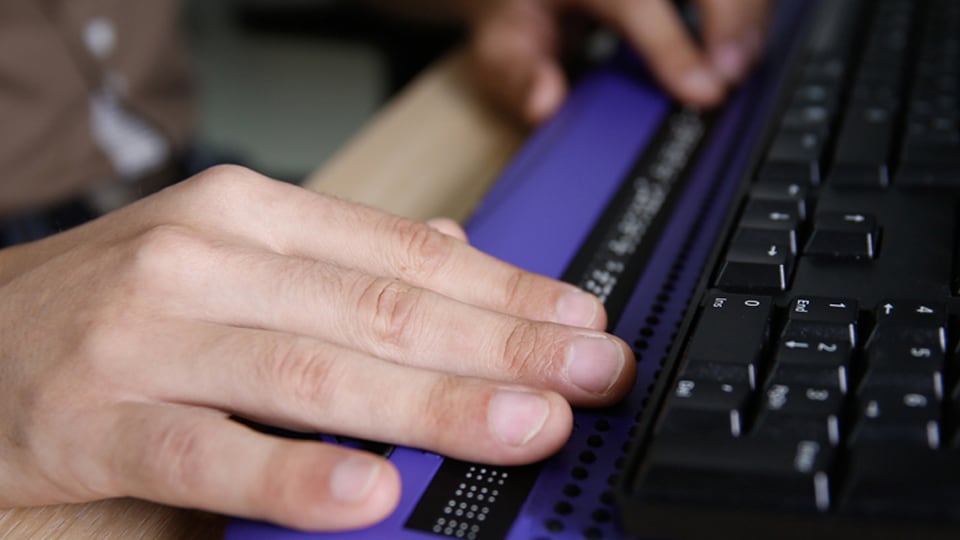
(813, 388)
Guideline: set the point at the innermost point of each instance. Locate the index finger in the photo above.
(294, 221)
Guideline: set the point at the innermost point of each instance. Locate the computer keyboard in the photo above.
(813, 386)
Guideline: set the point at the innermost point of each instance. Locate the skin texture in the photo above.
(127, 342)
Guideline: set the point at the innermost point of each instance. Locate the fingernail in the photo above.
(703, 82)
(594, 363)
(543, 101)
(516, 417)
(352, 479)
(577, 308)
(730, 61)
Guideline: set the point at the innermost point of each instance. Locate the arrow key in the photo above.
(840, 235)
(756, 266)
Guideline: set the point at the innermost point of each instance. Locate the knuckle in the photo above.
(219, 177)
(305, 375)
(424, 251)
(99, 337)
(441, 412)
(176, 456)
(525, 351)
(517, 288)
(158, 246)
(225, 187)
(393, 306)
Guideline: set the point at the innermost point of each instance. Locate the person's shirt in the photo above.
(92, 92)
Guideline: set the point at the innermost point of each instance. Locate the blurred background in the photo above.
(284, 83)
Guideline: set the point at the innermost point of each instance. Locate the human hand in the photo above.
(126, 344)
(515, 44)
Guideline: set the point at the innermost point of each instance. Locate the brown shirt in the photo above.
(91, 91)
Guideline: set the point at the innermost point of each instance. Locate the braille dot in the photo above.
(563, 508)
(593, 533)
(571, 490)
(588, 457)
(554, 525)
(579, 473)
(602, 425)
(600, 515)
(595, 441)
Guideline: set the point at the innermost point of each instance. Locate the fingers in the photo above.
(393, 320)
(309, 385)
(197, 458)
(656, 30)
(514, 45)
(733, 34)
(297, 222)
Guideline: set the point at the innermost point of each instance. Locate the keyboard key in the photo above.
(801, 399)
(736, 374)
(833, 378)
(862, 154)
(904, 482)
(733, 329)
(821, 325)
(889, 417)
(758, 269)
(794, 194)
(797, 155)
(764, 473)
(781, 240)
(843, 236)
(791, 427)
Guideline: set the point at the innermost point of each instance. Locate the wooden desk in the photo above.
(432, 151)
